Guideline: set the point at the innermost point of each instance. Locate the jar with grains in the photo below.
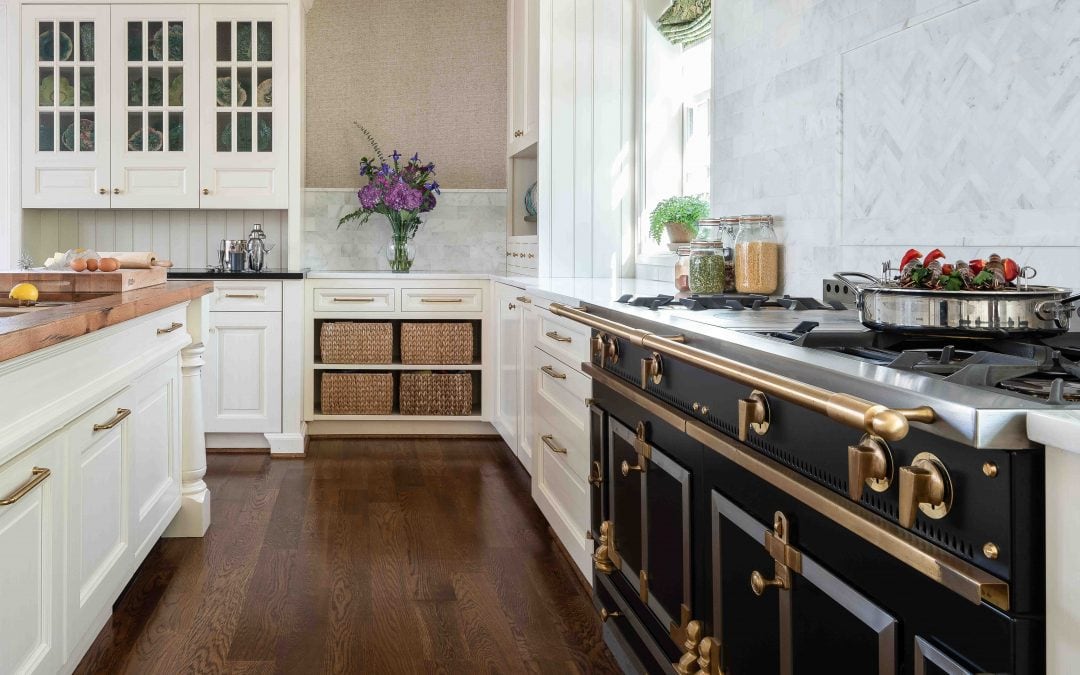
(682, 269)
(707, 267)
(757, 256)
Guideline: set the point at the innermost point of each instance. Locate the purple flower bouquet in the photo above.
(401, 192)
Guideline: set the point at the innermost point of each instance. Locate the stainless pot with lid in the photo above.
(1011, 312)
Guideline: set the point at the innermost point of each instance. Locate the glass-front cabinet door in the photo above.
(155, 151)
(65, 106)
(244, 101)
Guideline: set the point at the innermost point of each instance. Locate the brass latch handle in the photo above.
(120, 416)
(605, 615)
(175, 326)
(652, 368)
(870, 464)
(596, 476)
(37, 476)
(924, 486)
(626, 468)
(759, 584)
(754, 414)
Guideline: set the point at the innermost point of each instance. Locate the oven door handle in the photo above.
(892, 424)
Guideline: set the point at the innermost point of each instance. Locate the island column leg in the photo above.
(193, 519)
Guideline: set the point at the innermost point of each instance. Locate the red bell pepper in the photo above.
(936, 254)
(912, 254)
(977, 265)
(1012, 270)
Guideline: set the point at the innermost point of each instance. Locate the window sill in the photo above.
(658, 259)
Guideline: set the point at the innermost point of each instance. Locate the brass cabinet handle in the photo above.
(523, 298)
(626, 468)
(554, 335)
(37, 476)
(206, 191)
(358, 299)
(120, 416)
(175, 325)
(102, 191)
(511, 306)
(250, 296)
(442, 300)
(116, 191)
(890, 424)
(759, 584)
(605, 615)
(549, 441)
(596, 476)
(551, 372)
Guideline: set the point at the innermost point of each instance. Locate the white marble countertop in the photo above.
(1058, 429)
(377, 274)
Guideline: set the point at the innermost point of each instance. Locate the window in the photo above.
(675, 81)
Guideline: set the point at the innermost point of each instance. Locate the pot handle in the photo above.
(1057, 310)
(843, 276)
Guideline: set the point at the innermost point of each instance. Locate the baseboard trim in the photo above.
(399, 428)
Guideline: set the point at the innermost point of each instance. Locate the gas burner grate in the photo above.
(735, 302)
(1056, 391)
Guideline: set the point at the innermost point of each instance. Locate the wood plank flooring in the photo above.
(367, 556)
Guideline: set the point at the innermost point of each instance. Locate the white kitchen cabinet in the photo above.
(65, 106)
(154, 106)
(508, 363)
(523, 76)
(155, 455)
(31, 525)
(244, 94)
(243, 372)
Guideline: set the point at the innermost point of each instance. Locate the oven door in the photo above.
(649, 504)
(776, 610)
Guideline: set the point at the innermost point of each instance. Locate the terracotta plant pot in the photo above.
(679, 233)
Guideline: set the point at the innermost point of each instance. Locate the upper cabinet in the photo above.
(523, 85)
(155, 106)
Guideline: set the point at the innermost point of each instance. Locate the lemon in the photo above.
(24, 292)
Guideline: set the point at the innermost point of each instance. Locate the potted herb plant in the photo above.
(678, 216)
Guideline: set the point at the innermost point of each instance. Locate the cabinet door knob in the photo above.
(102, 191)
(758, 583)
(511, 306)
(116, 191)
(206, 191)
(626, 468)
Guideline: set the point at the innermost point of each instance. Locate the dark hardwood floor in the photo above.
(367, 556)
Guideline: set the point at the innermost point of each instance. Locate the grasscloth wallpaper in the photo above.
(422, 76)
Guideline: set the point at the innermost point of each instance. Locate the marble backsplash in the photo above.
(465, 233)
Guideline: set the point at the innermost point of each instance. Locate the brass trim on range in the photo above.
(121, 414)
(890, 424)
(37, 476)
(175, 325)
(701, 655)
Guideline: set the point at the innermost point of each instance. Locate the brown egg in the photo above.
(78, 264)
(108, 264)
(91, 264)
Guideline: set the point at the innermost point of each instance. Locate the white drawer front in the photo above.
(566, 490)
(563, 339)
(442, 299)
(246, 296)
(338, 300)
(560, 399)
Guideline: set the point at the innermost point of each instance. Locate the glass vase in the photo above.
(400, 253)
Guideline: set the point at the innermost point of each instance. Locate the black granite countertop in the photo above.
(204, 273)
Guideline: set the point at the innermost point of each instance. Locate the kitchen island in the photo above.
(101, 454)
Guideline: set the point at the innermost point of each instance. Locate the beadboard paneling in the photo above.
(187, 237)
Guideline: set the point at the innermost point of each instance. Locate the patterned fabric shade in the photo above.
(687, 22)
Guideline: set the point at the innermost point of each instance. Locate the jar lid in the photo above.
(702, 245)
(683, 250)
(756, 218)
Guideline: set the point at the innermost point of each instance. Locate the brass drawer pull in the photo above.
(549, 441)
(554, 335)
(175, 326)
(441, 300)
(120, 416)
(626, 468)
(524, 298)
(353, 299)
(37, 476)
(551, 372)
(246, 296)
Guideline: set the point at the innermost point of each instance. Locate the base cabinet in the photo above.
(508, 363)
(243, 372)
(156, 458)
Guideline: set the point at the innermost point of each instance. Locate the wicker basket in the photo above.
(357, 393)
(436, 344)
(355, 342)
(436, 394)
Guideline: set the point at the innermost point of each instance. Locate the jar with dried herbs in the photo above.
(707, 267)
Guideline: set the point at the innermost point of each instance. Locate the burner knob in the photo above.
(924, 486)
(652, 368)
(753, 414)
(869, 463)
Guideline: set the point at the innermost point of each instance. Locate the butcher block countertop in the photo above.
(30, 331)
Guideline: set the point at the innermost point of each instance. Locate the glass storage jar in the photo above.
(757, 255)
(729, 225)
(706, 267)
(682, 269)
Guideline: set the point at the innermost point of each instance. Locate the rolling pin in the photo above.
(135, 260)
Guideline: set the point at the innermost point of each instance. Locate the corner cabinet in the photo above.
(155, 106)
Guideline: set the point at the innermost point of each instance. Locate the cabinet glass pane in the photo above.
(263, 92)
(67, 132)
(243, 132)
(224, 132)
(155, 86)
(65, 43)
(135, 86)
(224, 88)
(176, 41)
(46, 45)
(243, 87)
(86, 40)
(135, 135)
(224, 41)
(155, 140)
(265, 41)
(65, 93)
(243, 40)
(176, 86)
(46, 86)
(86, 86)
(155, 43)
(46, 129)
(135, 41)
(87, 131)
(176, 131)
(266, 133)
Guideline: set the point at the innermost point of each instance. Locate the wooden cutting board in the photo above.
(119, 281)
